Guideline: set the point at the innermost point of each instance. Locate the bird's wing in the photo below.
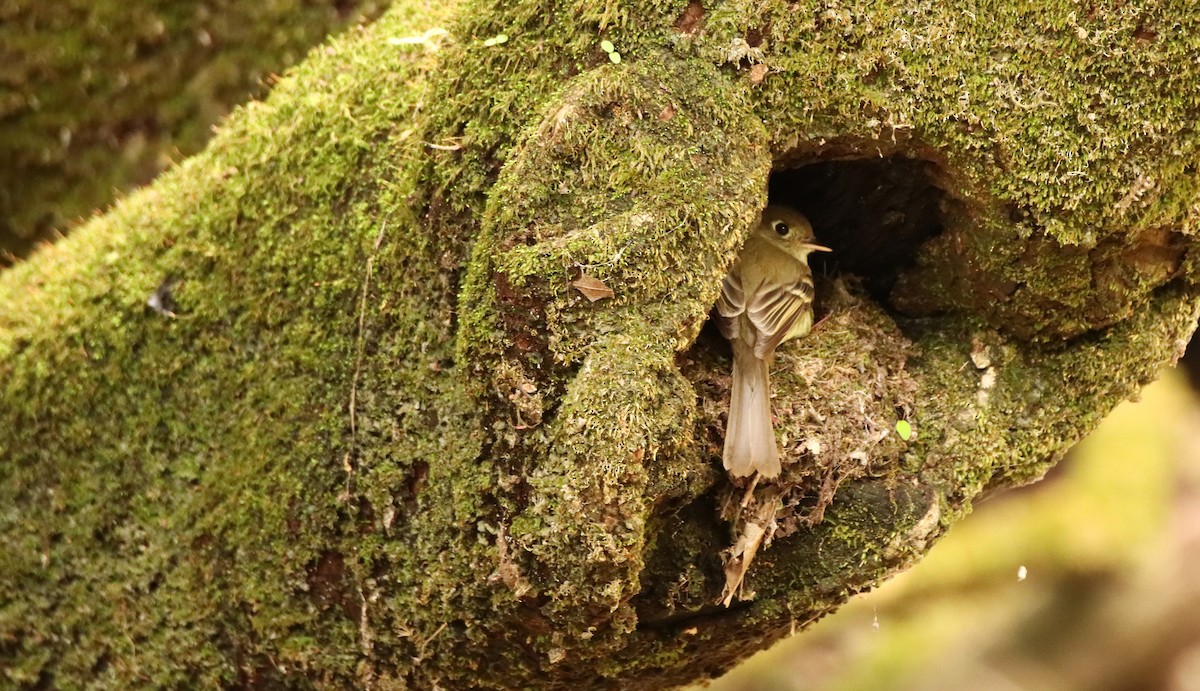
(780, 311)
(731, 304)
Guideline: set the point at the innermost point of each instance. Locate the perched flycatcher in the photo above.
(765, 300)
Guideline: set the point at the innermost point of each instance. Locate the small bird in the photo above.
(765, 300)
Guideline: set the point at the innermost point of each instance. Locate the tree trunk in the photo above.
(327, 404)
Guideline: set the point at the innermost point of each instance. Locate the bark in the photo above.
(98, 96)
(368, 430)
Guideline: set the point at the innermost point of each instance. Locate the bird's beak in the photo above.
(815, 248)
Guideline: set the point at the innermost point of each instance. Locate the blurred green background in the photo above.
(1089, 579)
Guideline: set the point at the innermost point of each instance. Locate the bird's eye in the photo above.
(782, 229)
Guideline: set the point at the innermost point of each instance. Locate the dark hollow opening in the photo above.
(874, 213)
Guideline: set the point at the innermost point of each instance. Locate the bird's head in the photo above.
(790, 231)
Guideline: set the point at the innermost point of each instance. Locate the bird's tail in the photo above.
(749, 436)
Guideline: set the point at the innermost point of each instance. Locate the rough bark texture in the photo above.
(99, 95)
(383, 439)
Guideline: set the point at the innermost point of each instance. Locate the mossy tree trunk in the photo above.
(324, 405)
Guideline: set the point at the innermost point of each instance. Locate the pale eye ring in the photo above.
(781, 229)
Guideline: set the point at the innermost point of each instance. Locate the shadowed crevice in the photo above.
(874, 213)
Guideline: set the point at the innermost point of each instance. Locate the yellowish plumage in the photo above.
(765, 300)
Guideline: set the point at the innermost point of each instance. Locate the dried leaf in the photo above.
(755, 532)
(739, 562)
(592, 288)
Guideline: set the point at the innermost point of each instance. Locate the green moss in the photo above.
(385, 440)
(222, 490)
